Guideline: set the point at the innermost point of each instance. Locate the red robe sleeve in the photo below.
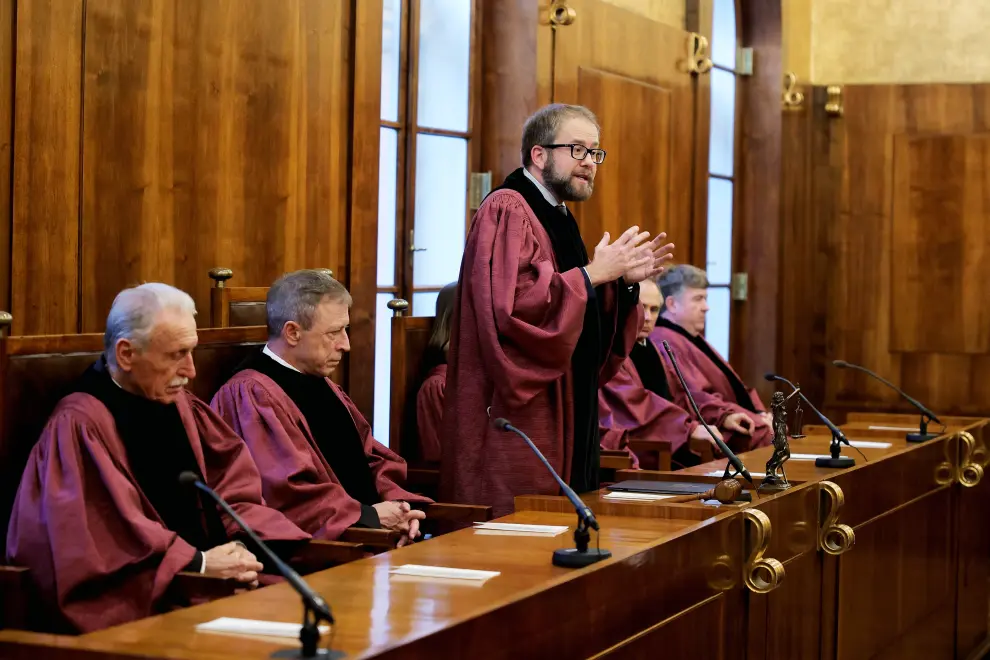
(429, 413)
(96, 549)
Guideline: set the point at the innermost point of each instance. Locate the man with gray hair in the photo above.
(320, 465)
(684, 289)
(536, 322)
(100, 517)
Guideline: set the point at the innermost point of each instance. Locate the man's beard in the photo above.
(562, 186)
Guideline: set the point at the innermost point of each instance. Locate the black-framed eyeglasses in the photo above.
(580, 152)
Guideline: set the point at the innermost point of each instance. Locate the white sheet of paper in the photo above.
(443, 572)
(869, 444)
(808, 457)
(642, 497)
(228, 624)
(719, 473)
(906, 429)
(541, 530)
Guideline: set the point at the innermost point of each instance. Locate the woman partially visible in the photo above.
(429, 400)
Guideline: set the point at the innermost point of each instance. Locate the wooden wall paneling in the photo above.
(7, 30)
(509, 81)
(45, 224)
(362, 268)
(698, 18)
(757, 219)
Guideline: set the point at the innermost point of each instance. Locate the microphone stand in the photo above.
(578, 556)
(926, 414)
(834, 461)
(315, 609)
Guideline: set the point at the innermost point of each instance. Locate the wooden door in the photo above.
(632, 76)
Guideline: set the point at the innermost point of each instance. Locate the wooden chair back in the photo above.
(37, 371)
(237, 306)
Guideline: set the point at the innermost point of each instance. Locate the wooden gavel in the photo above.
(725, 491)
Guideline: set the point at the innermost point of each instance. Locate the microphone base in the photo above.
(326, 654)
(839, 463)
(574, 558)
(920, 437)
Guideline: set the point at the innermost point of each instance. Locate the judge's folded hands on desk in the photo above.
(319, 463)
(100, 518)
(537, 324)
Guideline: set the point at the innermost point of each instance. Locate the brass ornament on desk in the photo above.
(834, 538)
(833, 106)
(760, 574)
(791, 98)
(945, 472)
(561, 15)
(776, 478)
(970, 472)
(697, 60)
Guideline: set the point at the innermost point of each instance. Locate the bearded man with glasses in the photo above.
(537, 324)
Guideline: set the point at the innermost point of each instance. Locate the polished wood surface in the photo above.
(7, 31)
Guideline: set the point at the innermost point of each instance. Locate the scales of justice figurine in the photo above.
(775, 478)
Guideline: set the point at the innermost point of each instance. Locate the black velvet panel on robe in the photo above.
(333, 430)
(593, 347)
(738, 387)
(650, 369)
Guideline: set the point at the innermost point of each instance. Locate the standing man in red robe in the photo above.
(682, 324)
(319, 464)
(536, 323)
(646, 400)
(100, 518)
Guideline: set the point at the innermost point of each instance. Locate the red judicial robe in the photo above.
(297, 478)
(707, 372)
(98, 551)
(429, 412)
(517, 322)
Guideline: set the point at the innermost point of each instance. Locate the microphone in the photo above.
(926, 414)
(566, 557)
(835, 461)
(724, 448)
(316, 609)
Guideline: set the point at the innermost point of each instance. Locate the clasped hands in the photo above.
(738, 422)
(630, 257)
(400, 517)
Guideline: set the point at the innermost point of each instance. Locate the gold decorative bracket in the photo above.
(833, 538)
(833, 106)
(760, 574)
(697, 60)
(561, 15)
(791, 98)
(970, 472)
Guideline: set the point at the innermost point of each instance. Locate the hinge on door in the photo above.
(479, 185)
(740, 286)
(744, 61)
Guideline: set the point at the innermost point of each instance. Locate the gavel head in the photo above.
(727, 491)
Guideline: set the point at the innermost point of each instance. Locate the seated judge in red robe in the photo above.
(429, 398)
(645, 399)
(537, 323)
(682, 323)
(100, 518)
(319, 464)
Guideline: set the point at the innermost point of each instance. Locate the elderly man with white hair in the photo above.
(100, 517)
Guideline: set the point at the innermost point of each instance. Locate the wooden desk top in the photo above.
(376, 611)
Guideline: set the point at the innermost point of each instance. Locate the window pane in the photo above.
(717, 320)
(441, 209)
(425, 304)
(387, 177)
(391, 44)
(724, 33)
(383, 366)
(719, 258)
(444, 63)
(723, 118)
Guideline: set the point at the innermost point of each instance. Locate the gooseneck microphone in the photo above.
(724, 448)
(838, 437)
(926, 414)
(566, 557)
(315, 608)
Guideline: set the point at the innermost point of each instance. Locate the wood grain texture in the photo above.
(645, 102)
(45, 225)
(7, 34)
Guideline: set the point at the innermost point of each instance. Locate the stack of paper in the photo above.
(869, 444)
(442, 572)
(517, 529)
(906, 429)
(635, 497)
(228, 624)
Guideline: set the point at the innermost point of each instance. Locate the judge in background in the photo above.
(100, 518)
(429, 398)
(537, 323)
(682, 323)
(319, 463)
(646, 401)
